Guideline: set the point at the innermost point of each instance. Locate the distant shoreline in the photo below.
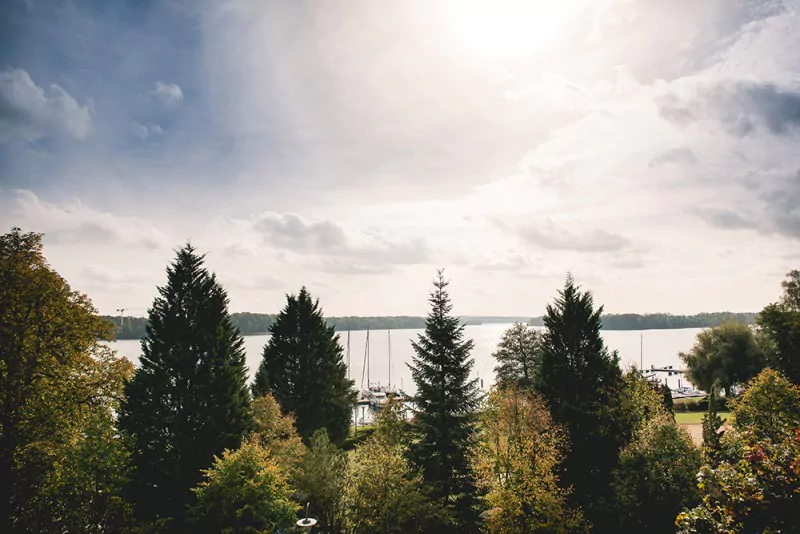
(254, 324)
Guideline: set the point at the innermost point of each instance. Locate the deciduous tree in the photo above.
(518, 356)
(516, 461)
(656, 476)
(244, 491)
(726, 355)
(60, 460)
(322, 480)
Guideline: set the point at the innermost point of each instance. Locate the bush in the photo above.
(244, 491)
(656, 476)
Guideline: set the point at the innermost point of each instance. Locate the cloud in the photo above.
(740, 107)
(143, 131)
(104, 275)
(327, 238)
(78, 224)
(27, 113)
(725, 219)
(297, 233)
(168, 93)
(550, 236)
(680, 156)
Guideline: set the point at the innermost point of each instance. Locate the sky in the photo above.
(354, 147)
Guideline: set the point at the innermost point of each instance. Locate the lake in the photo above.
(661, 348)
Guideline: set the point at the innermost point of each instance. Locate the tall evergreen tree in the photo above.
(303, 368)
(189, 400)
(446, 402)
(581, 380)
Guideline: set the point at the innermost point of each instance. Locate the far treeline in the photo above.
(665, 321)
(260, 323)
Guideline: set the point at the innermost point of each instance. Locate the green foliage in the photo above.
(518, 356)
(581, 382)
(244, 491)
(277, 433)
(780, 325)
(445, 403)
(727, 355)
(769, 407)
(322, 481)
(58, 389)
(515, 464)
(384, 494)
(698, 404)
(712, 422)
(655, 478)
(390, 425)
(635, 403)
(755, 485)
(303, 368)
(189, 399)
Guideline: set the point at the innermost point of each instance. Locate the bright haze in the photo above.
(649, 147)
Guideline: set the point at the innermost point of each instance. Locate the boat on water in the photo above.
(372, 397)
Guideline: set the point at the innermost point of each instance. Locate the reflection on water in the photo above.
(661, 348)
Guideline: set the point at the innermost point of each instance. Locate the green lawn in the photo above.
(695, 418)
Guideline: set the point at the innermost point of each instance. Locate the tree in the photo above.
(655, 478)
(384, 494)
(580, 380)
(244, 491)
(445, 406)
(277, 432)
(755, 487)
(322, 481)
(516, 462)
(727, 355)
(58, 389)
(189, 399)
(303, 368)
(518, 355)
(769, 408)
(712, 422)
(780, 324)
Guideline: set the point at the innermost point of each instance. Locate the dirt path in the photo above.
(696, 431)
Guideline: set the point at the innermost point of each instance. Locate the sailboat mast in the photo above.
(389, 335)
(367, 357)
(641, 352)
(348, 354)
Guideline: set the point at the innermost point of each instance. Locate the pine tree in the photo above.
(712, 422)
(189, 399)
(580, 380)
(446, 402)
(303, 368)
(518, 355)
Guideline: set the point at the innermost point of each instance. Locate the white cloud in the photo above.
(78, 224)
(168, 93)
(28, 113)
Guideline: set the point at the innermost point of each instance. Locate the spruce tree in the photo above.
(303, 368)
(189, 399)
(445, 405)
(581, 382)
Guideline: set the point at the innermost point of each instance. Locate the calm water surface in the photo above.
(661, 348)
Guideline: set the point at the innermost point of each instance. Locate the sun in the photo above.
(500, 30)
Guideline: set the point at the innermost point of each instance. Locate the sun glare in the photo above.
(501, 30)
